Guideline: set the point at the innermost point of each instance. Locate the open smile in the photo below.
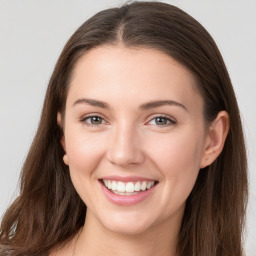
(127, 188)
(127, 192)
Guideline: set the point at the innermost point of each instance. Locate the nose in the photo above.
(125, 147)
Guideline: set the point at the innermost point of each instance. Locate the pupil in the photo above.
(96, 120)
(161, 120)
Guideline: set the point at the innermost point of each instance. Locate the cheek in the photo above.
(177, 153)
(178, 159)
(84, 151)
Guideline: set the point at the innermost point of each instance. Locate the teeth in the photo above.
(143, 186)
(137, 186)
(109, 184)
(120, 186)
(114, 185)
(149, 185)
(124, 194)
(129, 188)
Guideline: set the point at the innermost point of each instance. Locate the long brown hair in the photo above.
(49, 212)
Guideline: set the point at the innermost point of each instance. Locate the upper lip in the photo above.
(126, 178)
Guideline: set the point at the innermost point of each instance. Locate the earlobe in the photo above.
(62, 141)
(65, 159)
(59, 119)
(216, 138)
(59, 122)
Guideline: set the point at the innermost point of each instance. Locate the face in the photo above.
(133, 123)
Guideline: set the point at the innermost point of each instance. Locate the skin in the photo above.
(128, 141)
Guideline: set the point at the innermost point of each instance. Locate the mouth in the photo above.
(128, 188)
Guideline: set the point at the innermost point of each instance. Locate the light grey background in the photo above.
(32, 35)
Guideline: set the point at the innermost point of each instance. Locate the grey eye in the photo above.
(161, 120)
(95, 120)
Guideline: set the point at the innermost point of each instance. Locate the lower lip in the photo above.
(126, 200)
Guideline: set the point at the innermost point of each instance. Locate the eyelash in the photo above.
(83, 120)
(167, 118)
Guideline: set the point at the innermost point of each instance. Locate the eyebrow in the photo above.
(144, 106)
(160, 103)
(92, 102)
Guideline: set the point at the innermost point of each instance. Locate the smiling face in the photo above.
(133, 122)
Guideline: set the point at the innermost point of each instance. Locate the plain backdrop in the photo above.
(32, 35)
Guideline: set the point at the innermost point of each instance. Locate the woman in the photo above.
(139, 150)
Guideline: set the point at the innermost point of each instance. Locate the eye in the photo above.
(93, 120)
(161, 121)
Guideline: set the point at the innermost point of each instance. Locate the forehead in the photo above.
(115, 72)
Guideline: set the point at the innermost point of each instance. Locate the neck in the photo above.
(96, 240)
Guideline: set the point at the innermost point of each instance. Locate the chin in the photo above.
(127, 229)
(127, 224)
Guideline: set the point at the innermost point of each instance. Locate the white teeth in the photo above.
(124, 194)
(150, 185)
(120, 186)
(114, 185)
(128, 188)
(109, 184)
(137, 186)
(143, 186)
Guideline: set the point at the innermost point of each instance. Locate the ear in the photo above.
(62, 141)
(60, 124)
(215, 140)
